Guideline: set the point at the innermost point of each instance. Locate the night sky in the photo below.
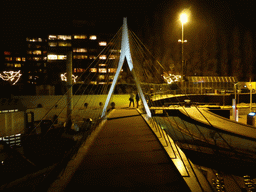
(36, 17)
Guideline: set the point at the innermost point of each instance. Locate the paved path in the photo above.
(125, 156)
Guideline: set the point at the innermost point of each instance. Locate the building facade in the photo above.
(44, 59)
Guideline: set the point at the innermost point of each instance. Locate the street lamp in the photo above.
(183, 19)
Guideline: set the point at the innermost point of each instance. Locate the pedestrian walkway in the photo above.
(124, 155)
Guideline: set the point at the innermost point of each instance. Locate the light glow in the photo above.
(80, 37)
(103, 57)
(64, 77)
(93, 37)
(12, 76)
(183, 18)
(103, 43)
(171, 78)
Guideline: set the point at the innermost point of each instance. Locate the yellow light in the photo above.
(183, 18)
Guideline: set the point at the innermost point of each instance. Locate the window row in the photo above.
(37, 58)
(34, 39)
(69, 37)
(36, 52)
(13, 65)
(60, 44)
(103, 70)
(57, 57)
(84, 57)
(68, 44)
(15, 59)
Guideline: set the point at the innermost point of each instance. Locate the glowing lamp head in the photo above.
(183, 18)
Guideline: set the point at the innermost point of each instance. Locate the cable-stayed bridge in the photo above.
(121, 148)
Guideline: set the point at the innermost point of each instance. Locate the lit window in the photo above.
(45, 58)
(52, 57)
(30, 77)
(36, 58)
(112, 70)
(40, 39)
(112, 57)
(78, 70)
(31, 39)
(8, 58)
(80, 56)
(102, 83)
(37, 52)
(64, 44)
(102, 70)
(17, 65)
(93, 70)
(52, 44)
(29, 52)
(80, 50)
(17, 59)
(103, 43)
(9, 64)
(64, 37)
(23, 58)
(101, 77)
(62, 57)
(80, 37)
(102, 65)
(103, 57)
(52, 37)
(94, 82)
(7, 53)
(92, 57)
(93, 37)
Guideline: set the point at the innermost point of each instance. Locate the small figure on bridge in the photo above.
(137, 99)
(131, 99)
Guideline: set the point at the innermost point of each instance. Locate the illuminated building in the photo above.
(45, 56)
(36, 62)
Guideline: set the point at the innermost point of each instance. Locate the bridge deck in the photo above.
(124, 155)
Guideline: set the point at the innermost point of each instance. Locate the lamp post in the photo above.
(183, 19)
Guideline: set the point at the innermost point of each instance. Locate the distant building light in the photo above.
(102, 65)
(103, 43)
(52, 37)
(92, 57)
(52, 57)
(80, 56)
(102, 70)
(94, 82)
(17, 65)
(62, 57)
(112, 57)
(80, 37)
(52, 44)
(93, 37)
(93, 70)
(7, 53)
(103, 57)
(80, 50)
(64, 37)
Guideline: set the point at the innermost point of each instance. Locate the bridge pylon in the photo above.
(125, 53)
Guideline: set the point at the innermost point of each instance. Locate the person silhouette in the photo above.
(131, 99)
(137, 99)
